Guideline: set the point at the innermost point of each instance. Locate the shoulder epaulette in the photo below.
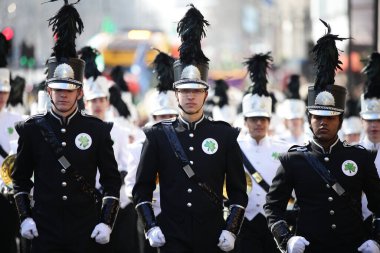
(347, 145)
(83, 113)
(297, 148)
(36, 116)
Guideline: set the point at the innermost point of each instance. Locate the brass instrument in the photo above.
(7, 168)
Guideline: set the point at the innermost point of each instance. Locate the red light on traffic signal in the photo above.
(8, 33)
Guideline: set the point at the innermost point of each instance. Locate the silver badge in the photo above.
(325, 98)
(64, 70)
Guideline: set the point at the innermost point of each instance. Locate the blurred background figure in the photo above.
(260, 157)
(292, 110)
(352, 127)
(218, 105)
(96, 99)
(8, 146)
(370, 114)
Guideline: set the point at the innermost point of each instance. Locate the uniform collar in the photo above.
(316, 146)
(64, 120)
(263, 142)
(369, 144)
(190, 125)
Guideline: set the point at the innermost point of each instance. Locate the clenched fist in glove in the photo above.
(156, 237)
(369, 246)
(226, 241)
(101, 233)
(29, 229)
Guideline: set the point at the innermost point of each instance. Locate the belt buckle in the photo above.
(258, 178)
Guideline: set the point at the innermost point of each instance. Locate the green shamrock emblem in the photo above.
(275, 155)
(350, 167)
(10, 130)
(210, 145)
(84, 141)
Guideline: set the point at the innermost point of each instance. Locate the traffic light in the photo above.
(8, 33)
(27, 59)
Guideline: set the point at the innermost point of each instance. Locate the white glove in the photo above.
(29, 229)
(101, 233)
(297, 244)
(156, 237)
(226, 241)
(369, 246)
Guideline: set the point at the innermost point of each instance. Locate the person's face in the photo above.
(257, 127)
(97, 107)
(3, 99)
(159, 118)
(372, 130)
(65, 100)
(325, 128)
(191, 100)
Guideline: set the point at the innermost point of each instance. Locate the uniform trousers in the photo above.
(256, 237)
(64, 229)
(191, 234)
(9, 225)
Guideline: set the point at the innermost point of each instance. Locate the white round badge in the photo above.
(83, 141)
(209, 146)
(349, 168)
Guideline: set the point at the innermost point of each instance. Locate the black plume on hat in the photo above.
(117, 75)
(352, 108)
(372, 70)
(258, 69)
(89, 54)
(117, 101)
(17, 91)
(326, 58)
(4, 48)
(191, 29)
(293, 89)
(221, 88)
(65, 25)
(163, 66)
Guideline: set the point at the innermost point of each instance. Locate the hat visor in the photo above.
(370, 116)
(63, 86)
(167, 111)
(190, 84)
(257, 114)
(324, 112)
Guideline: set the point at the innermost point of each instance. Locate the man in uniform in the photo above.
(162, 104)
(192, 164)
(327, 175)
(62, 151)
(261, 152)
